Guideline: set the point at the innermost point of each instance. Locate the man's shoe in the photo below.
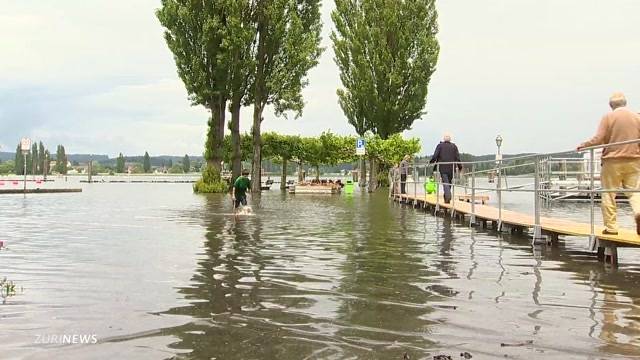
(609, 232)
(638, 224)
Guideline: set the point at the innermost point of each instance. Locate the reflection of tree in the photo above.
(237, 309)
(384, 279)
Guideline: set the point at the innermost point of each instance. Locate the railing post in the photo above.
(472, 221)
(438, 179)
(499, 186)
(537, 228)
(415, 186)
(592, 238)
(453, 192)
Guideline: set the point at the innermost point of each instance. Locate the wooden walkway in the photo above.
(38, 191)
(551, 227)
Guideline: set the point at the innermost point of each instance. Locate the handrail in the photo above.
(528, 156)
(543, 170)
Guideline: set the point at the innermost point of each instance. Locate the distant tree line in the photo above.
(38, 160)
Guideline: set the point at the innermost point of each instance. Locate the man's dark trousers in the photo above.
(447, 179)
(403, 182)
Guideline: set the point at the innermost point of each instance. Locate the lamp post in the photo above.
(499, 185)
(25, 147)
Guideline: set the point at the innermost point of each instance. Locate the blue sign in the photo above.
(360, 147)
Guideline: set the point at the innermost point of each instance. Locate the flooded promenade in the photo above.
(156, 272)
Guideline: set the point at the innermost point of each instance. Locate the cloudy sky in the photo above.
(96, 76)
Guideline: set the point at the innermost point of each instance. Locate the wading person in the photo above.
(446, 152)
(239, 190)
(404, 171)
(620, 163)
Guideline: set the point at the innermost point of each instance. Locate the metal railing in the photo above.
(540, 188)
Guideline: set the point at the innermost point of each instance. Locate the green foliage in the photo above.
(146, 163)
(211, 182)
(61, 160)
(19, 162)
(195, 34)
(246, 146)
(176, 169)
(137, 169)
(120, 164)
(186, 164)
(41, 158)
(386, 52)
(392, 150)
(7, 167)
(288, 46)
(7, 289)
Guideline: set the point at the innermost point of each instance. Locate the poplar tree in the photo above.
(386, 52)
(146, 163)
(239, 57)
(41, 158)
(33, 158)
(186, 164)
(19, 161)
(120, 164)
(61, 160)
(288, 46)
(194, 34)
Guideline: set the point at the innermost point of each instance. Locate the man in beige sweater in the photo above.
(620, 163)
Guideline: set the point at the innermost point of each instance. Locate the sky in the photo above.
(97, 76)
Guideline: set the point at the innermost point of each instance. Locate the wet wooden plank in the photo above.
(552, 225)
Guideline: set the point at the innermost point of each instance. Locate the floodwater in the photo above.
(152, 271)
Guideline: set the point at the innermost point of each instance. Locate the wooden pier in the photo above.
(39, 191)
(552, 228)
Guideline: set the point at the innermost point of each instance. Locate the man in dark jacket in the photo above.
(446, 152)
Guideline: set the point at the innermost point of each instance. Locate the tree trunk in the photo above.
(372, 175)
(236, 155)
(362, 174)
(300, 170)
(283, 178)
(215, 134)
(318, 172)
(256, 171)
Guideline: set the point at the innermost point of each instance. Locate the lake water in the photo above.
(152, 271)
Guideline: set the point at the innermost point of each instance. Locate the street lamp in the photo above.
(25, 147)
(499, 144)
(499, 185)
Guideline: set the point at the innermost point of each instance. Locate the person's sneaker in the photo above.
(638, 224)
(609, 232)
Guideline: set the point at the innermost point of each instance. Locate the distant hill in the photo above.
(4, 156)
(106, 160)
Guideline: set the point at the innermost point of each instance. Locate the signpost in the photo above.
(25, 147)
(360, 151)
(360, 147)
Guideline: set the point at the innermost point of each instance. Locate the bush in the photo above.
(211, 182)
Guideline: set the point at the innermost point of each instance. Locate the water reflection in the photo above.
(366, 279)
(307, 277)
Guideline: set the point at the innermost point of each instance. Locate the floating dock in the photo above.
(39, 191)
(517, 222)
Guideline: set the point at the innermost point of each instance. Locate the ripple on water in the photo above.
(156, 272)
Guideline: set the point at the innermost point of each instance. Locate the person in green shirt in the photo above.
(239, 191)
